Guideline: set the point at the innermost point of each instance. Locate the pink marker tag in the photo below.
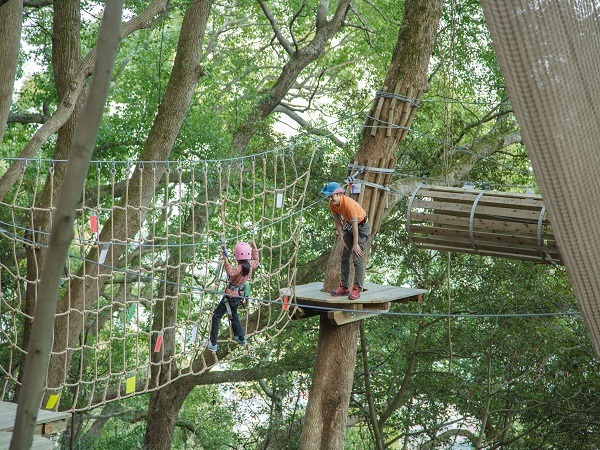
(158, 343)
(94, 222)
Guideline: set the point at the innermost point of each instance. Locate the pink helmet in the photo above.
(242, 250)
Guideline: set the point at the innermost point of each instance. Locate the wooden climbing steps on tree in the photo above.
(374, 300)
(490, 223)
(48, 422)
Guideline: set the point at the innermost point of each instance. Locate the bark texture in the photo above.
(66, 58)
(327, 409)
(11, 17)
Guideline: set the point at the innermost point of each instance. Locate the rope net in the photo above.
(144, 271)
(548, 54)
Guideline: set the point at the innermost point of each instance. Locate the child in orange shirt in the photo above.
(353, 232)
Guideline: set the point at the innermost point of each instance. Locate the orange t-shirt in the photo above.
(349, 209)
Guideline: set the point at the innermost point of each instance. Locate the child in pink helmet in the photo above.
(246, 256)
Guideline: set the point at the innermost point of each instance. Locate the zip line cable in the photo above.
(299, 304)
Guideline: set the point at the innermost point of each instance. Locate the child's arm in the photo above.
(355, 247)
(226, 264)
(337, 223)
(254, 252)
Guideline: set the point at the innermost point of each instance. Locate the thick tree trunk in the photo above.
(164, 366)
(125, 221)
(326, 413)
(11, 17)
(66, 59)
(163, 412)
(406, 80)
(62, 231)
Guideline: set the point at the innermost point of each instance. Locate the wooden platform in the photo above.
(38, 443)
(47, 422)
(491, 223)
(374, 300)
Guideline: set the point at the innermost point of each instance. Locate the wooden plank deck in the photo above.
(47, 422)
(38, 443)
(374, 300)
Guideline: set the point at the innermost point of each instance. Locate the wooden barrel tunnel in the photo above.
(490, 223)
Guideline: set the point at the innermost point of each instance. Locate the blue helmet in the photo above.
(333, 187)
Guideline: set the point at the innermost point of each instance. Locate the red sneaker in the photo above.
(341, 290)
(355, 293)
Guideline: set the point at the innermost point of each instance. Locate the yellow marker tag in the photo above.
(52, 400)
(130, 385)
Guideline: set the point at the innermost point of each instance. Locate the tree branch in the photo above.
(410, 366)
(227, 25)
(266, 389)
(65, 109)
(214, 377)
(283, 109)
(491, 115)
(322, 13)
(27, 118)
(293, 20)
(299, 60)
(280, 38)
(446, 435)
(368, 391)
(363, 26)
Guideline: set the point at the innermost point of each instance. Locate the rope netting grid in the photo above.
(144, 271)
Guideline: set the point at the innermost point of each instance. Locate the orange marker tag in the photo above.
(286, 302)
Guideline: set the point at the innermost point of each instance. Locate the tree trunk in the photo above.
(62, 230)
(125, 221)
(163, 412)
(406, 78)
(326, 412)
(66, 59)
(165, 319)
(11, 17)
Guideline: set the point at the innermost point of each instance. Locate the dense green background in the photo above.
(506, 381)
